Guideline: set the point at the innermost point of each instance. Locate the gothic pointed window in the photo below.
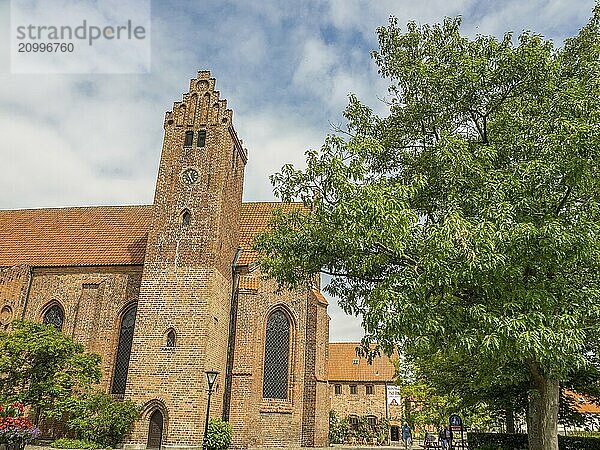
(171, 339)
(55, 316)
(124, 350)
(201, 138)
(186, 217)
(189, 138)
(277, 355)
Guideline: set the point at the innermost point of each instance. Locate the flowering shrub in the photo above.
(15, 428)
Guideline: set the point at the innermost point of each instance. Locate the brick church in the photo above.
(168, 291)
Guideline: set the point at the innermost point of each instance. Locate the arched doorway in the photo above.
(155, 430)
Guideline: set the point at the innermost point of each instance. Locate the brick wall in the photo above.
(14, 282)
(92, 299)
(299, 419)
(361, 403)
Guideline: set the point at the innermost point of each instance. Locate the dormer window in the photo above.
(355, 362)
(189, 138)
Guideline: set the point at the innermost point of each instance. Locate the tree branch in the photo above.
(563, 201)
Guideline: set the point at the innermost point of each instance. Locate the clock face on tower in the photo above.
(189, 176)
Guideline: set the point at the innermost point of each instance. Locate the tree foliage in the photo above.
(466, 221)
(41, 367)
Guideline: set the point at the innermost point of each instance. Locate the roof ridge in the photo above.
(271, 202)
(62, 208)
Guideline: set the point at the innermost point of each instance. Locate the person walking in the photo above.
(406, 436)
(442, 438)
(449, 435)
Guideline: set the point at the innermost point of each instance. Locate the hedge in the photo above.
(497, 441)
(504, 441)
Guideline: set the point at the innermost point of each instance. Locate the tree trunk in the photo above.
(542, 414)
(510, 420)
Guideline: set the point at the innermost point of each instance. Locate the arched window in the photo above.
(186, 217)
(124, 350)
(5, 316)
(55, 316)
(277, 355)
(189, 138)
(171, 339)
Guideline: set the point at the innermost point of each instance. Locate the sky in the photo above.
(285, 67)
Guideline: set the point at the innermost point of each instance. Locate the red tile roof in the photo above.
(100, 235)
(103, 235)
(255, 219)
(249, 282)
(342, 356)
(583, 404)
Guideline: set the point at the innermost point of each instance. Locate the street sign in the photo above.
(455, 421)
(393, 395)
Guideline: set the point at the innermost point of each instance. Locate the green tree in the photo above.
(468, 219)
(41, 367)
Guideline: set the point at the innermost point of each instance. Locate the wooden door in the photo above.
(155, 430)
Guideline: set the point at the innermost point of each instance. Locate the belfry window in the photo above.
(171, 339)
(277, 353)
(189, 138)
(124, 350)
(201, 142)
(54, 316)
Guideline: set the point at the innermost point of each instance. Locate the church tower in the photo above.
(182, 317)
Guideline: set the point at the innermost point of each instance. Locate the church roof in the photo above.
(254, 220)
(344, 365)
(98, 235)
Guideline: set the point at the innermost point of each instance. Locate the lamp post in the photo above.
(211, 376)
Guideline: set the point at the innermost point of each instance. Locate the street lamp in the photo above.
(211, 376)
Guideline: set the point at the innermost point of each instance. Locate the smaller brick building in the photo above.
(357, 388)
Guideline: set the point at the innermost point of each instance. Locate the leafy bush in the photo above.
(578, 443)
(504, 441)
(75, 443)
(497, 441)
(41, 367)
(98, 418)
(338, 428)
(219, 434)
